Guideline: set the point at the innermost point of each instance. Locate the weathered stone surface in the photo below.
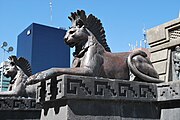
(162, 40)
(169, 100)
(12, 103)
(80, 109)
(160, 67)
(170, 110)
(169, 91)
(70, 97)
(12, 108)
(159, 33)
(162, 77)
(168, 45)
(156, 34)
(80, 87)
(159, 56)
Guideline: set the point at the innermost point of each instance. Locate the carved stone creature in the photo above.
(92, 56)
(176, 59)
(18, 70)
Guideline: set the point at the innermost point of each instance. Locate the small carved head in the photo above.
(14, 65)
(10, 69)
(177, 48)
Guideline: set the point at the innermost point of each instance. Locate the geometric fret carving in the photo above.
(101, 88)
(74, 86)
(146, 91)
(59, 88)
(51, 89)
(126, 89)
(18, 104)
(83, 87)
(169, 91)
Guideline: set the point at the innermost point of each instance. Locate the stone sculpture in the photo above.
(92, 56)
(176, 59)
(18, 70)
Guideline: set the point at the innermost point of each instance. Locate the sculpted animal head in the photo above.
(77, 34)
(14, 65)
(10, 69)
(84, 26)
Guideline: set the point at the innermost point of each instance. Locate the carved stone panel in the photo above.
(10, 103)
(169, 91)
(81, 87)
(162, 40)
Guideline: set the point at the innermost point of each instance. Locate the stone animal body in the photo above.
(92, 56)
(18, 70)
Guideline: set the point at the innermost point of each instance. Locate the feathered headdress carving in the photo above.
(22, 63)
(93, 24)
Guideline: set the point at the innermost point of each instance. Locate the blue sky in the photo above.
(123, 20)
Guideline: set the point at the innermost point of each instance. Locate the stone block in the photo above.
(170, 114)
(92, 98)
(12, 108)
(82, 87)
(159, 33)
(160, 67)
(81, 109)
(159, 55)
(162, 77)
(156, 34)
(168, 91)
(166, 45)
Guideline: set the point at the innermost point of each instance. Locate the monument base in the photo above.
(12, 108)
(70, 97)
(99, 110)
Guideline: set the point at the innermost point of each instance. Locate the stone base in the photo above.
(170, 110)
(69, 97)
(12, 108)
(20, 115)
(99, 110)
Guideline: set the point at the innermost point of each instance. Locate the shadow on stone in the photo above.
(119, 109)
(56, 105)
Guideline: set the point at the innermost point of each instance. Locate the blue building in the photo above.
(43, 47)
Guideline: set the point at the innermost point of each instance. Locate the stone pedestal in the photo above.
(12, 108)
(70, 97)
(169, 100)
(99, 110)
